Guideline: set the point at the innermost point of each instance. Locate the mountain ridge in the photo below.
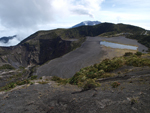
(86, 23)
(52, 42)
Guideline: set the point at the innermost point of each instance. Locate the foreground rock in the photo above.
(132, 95)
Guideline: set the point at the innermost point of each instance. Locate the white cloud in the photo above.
(23, 17)
(138, 3)
(13, 41)
(78, 7)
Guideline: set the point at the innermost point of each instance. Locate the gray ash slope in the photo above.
(131, 96)
(89, 53)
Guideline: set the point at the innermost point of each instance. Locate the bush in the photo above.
(109, 65)
(33, 77)
(43, 82)
(89, 84)
(14, 84)
(59, 80)
(135, 61)
(134, 100)
(128, 54)
(55, 78)
(115, 84)
(8, 86)
(138, 53)
(86, 75)
(7, 66)
(23, 82)
(74, 79)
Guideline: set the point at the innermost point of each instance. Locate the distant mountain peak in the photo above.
(87, 23)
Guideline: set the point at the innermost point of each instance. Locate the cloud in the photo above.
(11, 42)
(77, 7)
(24, 13)
(23, 17)
(134, 3)
(29, 13)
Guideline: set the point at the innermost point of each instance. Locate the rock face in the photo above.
(37, 49)
(43, 46)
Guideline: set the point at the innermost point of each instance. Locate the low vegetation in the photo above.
(60, 80)
(43, 82)
(115, 84)
(86, 77)
(11, 85)
(143, 39)
(33, 77)
(6, 66)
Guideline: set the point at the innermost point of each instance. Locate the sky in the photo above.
(25, 17)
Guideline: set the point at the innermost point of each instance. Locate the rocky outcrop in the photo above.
(46, 45)
(36, 49)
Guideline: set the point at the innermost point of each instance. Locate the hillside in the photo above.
(45, 45)
(109, 86)
(88, 77)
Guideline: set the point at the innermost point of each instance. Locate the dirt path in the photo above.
(89, 53)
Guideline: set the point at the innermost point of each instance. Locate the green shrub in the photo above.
(115, 84)
(60, 80)
(109, 65)
(21, 67)
(136, 61)
(55, 78)
(85, 76)
(43, 82)
(33, 77)
(8, 86)
(89, 84)
(6, 66)
(138, 53)
(128, 54)
(134, 100)
(23, 82)
(74, 79)
(14, 84)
